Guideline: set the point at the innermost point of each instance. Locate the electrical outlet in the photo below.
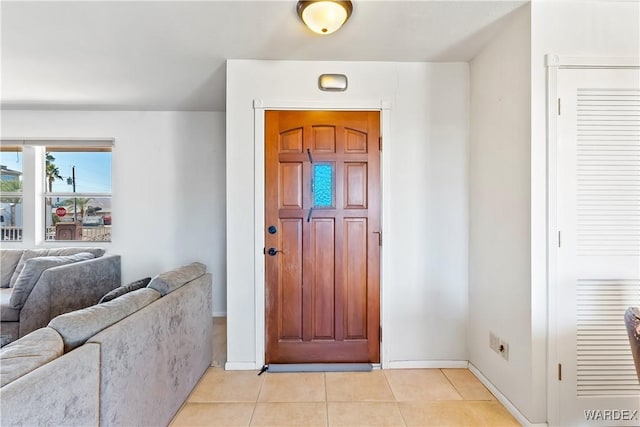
(494, 342)
(503, 349)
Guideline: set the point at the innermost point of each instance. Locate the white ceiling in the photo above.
(170, 55)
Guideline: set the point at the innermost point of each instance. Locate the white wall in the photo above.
(581, 28)
(499, 208)
(426, 242)
(168, 184)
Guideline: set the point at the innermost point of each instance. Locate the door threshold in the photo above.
(318, 367)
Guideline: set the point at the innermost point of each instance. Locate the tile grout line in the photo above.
(452, 384)
(475, 378)
(404, 421)
(395, 399)
(326, 398)
(255, 404)
(184, 404)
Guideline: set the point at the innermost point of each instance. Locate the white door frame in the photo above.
(259, 107)
(554, 63)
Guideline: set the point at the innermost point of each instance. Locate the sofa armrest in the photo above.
(151, 360)
(67, 288)
(63, 392)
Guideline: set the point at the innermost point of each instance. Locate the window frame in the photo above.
(34, 191)
(49, 231)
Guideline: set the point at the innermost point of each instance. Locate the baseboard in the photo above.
(503, 399)
(426, 364)
(240, 366)
(398, 364)
(219, 314)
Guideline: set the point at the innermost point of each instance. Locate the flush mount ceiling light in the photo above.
(324, 16)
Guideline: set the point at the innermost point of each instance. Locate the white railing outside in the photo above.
(50, 233)
(94, 234)
(11, 234)
(101, 233)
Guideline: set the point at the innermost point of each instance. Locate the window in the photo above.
(11, 193)
(55, 190)
(323, 185)
(77, 193)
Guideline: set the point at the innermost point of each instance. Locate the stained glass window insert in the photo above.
(322, 185)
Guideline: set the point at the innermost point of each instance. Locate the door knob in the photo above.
(273, 251)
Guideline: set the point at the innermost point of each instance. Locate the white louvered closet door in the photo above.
(599, 255)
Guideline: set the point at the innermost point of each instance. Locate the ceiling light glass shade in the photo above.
(324, 16)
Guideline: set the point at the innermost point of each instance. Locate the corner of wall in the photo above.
(500, 211)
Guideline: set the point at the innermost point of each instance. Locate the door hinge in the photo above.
(559, 239)
(380, 334)
(380, 143)
(559, 371)
(559, 109)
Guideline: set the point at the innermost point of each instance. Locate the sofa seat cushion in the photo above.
(9, 259)
(28, 353)
(78, 326)
(35, 253)
(121, 290)
(171, 280)
(33, 269)
(7, 313)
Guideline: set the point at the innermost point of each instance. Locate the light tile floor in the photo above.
(413, 397)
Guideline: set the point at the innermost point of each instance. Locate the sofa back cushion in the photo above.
(35, 253)
(171, 280)
(7, 314)
(33, 269)
(9, 259)
(28, 353)
(78, 326)
(121, 290)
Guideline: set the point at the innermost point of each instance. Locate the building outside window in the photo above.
(11, 225)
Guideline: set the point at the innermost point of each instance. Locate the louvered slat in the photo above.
(604, 361)
(608, 172)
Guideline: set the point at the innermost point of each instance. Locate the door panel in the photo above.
(322, 191)
(355, 244)
(323, 243)
(324, 139)
(598, 273)
(289, 289)
(356, 185)
(356, 141)
(291, 185)
(291, 141)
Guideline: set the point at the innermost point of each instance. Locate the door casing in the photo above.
(259, 107)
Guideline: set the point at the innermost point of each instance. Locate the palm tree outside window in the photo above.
(78, 196)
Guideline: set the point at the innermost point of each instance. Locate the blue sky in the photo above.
(11, 160)
(93, 170)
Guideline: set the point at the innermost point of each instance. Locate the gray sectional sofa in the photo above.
(38, 284)
(130, 361)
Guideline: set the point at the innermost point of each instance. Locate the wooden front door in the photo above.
(322, 235)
